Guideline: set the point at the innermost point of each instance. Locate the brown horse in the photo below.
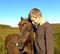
(25, 39)
(10, 44)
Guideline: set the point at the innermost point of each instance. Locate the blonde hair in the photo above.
(36, 12)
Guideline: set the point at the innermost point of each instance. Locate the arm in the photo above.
(49, 40)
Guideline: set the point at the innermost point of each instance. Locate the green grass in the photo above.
(4, 31)
(56, 33)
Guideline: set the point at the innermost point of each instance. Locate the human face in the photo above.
(34, 20)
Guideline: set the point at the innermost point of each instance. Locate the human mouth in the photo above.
(34, 23)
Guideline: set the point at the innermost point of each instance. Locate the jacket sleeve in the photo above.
(49, 40)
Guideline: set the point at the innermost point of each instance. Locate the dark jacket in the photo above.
(44, 39)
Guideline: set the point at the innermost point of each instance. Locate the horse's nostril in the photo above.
(20, 46)
(24, 52)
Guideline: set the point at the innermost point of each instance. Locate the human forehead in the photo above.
(33, 18)
(33, 15)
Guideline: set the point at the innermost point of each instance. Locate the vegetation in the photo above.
(6, 29)
(4, 26)
(56, 34)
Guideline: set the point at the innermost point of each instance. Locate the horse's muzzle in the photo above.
(20, 46)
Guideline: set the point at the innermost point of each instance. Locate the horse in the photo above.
(10, 44)
(22, 43)
(26, 40)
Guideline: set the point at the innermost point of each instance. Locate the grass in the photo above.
(4, 31)
(56, 33)
(3, 34)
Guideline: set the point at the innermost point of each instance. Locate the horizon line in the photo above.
(17, 24)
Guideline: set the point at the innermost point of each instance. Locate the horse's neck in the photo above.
(32, 34)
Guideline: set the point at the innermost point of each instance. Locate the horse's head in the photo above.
(25, 32)
(24, 24)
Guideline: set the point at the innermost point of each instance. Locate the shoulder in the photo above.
(47, 25)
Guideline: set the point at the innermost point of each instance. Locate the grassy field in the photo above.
(56, 34)
(5, 30)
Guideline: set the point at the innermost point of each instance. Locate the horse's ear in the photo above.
(22, 18)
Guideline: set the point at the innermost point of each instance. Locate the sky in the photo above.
(12, 10)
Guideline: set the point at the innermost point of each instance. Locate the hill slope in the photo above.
(4, 26)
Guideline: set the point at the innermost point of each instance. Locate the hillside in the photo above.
(4, 26)
(6, 30)
(55, 25)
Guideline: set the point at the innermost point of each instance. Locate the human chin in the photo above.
(34, 23)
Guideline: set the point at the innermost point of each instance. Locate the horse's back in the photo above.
(11, 37)
(10, 44)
